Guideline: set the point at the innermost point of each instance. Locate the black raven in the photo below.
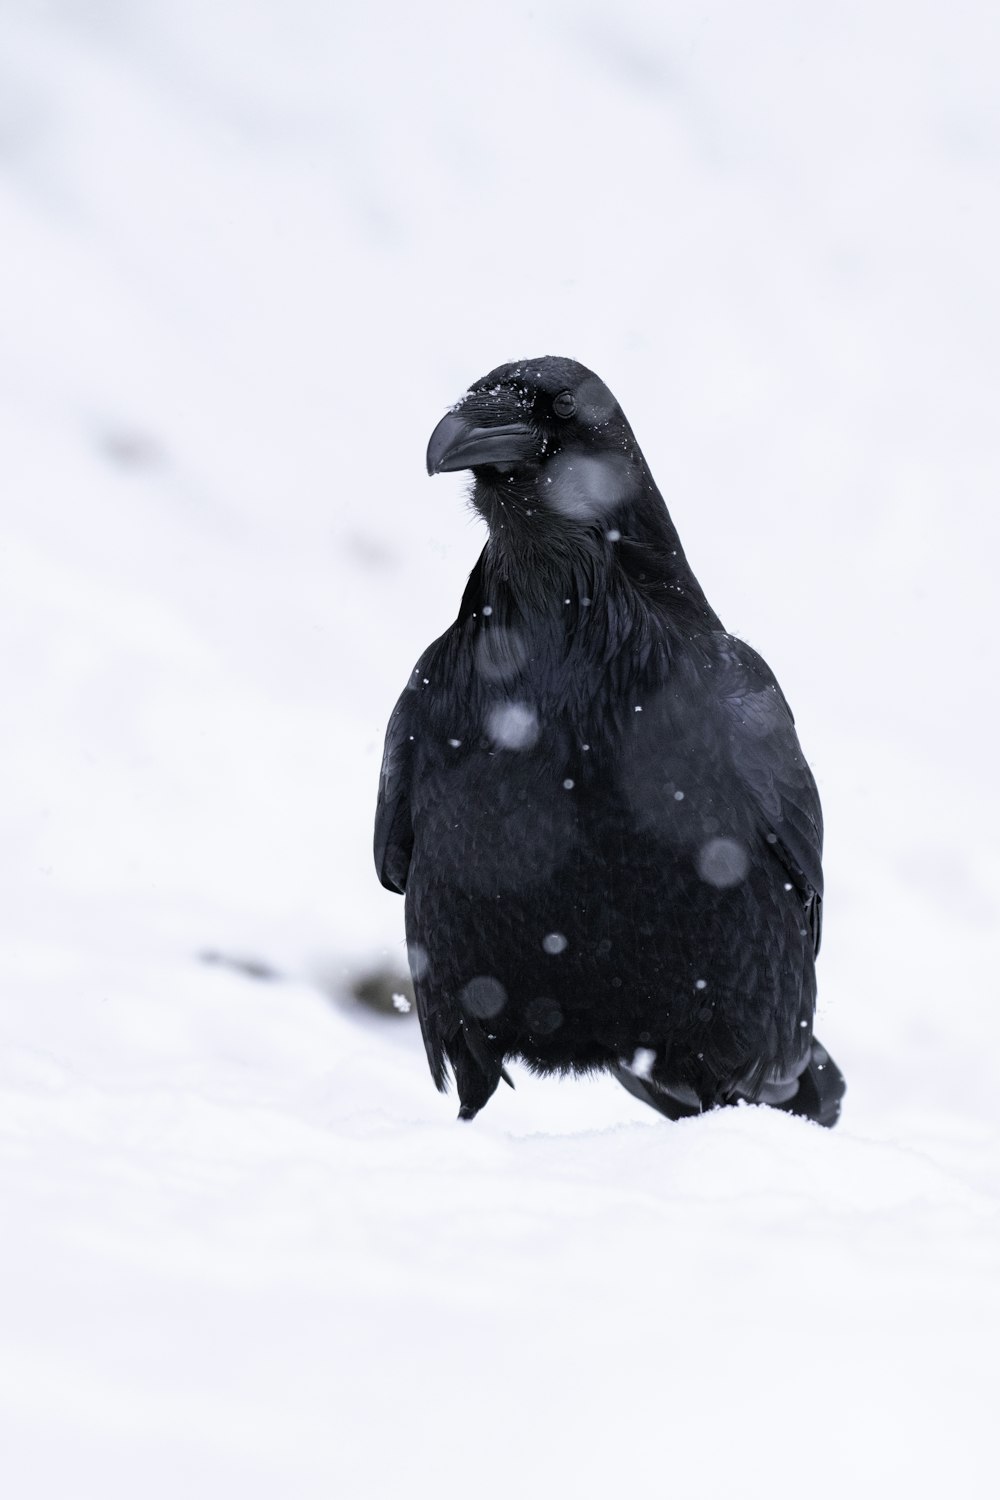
(592, 796)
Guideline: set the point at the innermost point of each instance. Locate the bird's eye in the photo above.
(564, 404)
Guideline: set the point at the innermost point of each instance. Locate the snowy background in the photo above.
(249, 252)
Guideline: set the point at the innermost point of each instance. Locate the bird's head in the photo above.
(561, 481)
(549, 427)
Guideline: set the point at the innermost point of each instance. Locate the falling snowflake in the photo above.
(642, 1062)
(512, 726)
(722, 862)
(483, 996)
(417, 956)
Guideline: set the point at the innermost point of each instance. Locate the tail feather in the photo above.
(476, 1068)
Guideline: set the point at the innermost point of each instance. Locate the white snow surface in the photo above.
(250, 254)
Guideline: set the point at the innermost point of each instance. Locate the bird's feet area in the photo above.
(820, 1092)
(821, 1088)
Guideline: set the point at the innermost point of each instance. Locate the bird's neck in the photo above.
(541, 566)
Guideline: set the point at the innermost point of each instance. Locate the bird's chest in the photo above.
(489, 817)
(542, 753)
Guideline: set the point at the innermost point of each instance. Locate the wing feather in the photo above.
(393, 825)
(768, 759)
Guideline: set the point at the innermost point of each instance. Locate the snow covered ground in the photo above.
(249, 253)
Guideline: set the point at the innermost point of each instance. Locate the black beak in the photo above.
(458, 443)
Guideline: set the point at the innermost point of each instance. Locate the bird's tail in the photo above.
(476, 1068)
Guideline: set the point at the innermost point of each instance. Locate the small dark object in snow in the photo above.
(252, 968)
(592, 795)
(385, 991)
(132, 450)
